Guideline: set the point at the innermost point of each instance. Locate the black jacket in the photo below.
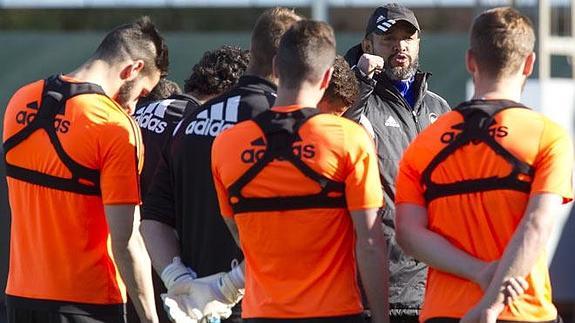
(395, 125)
(157, 120)
(182, 193)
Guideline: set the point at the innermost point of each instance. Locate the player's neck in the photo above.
(303, 97)
(504, 89)
(202, 98)
(259, 71)
(97, 72)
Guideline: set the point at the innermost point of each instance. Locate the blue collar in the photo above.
(405, 88)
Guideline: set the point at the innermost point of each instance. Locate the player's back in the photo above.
(481, 222)
(60, 239)
(300, 262)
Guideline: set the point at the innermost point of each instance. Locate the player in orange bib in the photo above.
(302, 190)
(478, 191)
(73, 155)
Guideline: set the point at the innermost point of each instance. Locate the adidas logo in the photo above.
(217, 118)
(257, 150)
(385, 25)
(151, 117)
(390, 122)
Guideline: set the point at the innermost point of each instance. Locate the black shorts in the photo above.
(456, 320)
(25, 310)
(358, 318)
(404, 319)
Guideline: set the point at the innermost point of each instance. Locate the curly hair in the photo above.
(217, 71)
(343, 85)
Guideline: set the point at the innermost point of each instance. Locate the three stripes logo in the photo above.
(151, 116)
(384, 24)
(217, 118)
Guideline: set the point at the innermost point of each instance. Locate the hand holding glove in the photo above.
(214, 295)
(227, 288)
(189, 300)
(177, 273)
(180, 310)
(176, 276)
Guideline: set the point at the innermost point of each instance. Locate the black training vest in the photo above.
(478, 116)
(54, 96)
(280, 131)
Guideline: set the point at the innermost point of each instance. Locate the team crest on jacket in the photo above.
(432, 117)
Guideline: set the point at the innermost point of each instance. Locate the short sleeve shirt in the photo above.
(300, 263)
(482, 223)
(60, 239)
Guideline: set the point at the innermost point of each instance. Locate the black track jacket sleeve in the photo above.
(158, 203)
(366, 88)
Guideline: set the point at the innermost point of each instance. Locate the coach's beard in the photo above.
(399, 73)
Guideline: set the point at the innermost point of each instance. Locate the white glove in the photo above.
(197, 300)
(179, 310)
(213, 295)
(177, 272)
(176, 276)
(227, 288)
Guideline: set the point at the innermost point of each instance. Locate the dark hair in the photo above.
(217, 71)
(266, 35)
(138, 40)
(306, 51)
(343, 86)
(164, 89)
(500, 39)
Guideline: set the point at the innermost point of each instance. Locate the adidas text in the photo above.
(147, 121)
(207, 127)
(151, 117)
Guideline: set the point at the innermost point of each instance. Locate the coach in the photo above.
(398, 105)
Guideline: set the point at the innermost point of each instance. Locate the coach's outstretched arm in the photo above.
(131, 258)
(371, 252)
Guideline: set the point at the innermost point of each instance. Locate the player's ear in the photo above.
(132, 70)
(275, 73)
(326, 78)
(470, 63)
(528, 64)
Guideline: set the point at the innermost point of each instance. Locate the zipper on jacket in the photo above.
(417, 126)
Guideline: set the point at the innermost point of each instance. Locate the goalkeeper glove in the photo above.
(177, 272)
(227, 288)
(180, 310)
(214, 296)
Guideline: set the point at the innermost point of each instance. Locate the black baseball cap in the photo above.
(386, 16)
